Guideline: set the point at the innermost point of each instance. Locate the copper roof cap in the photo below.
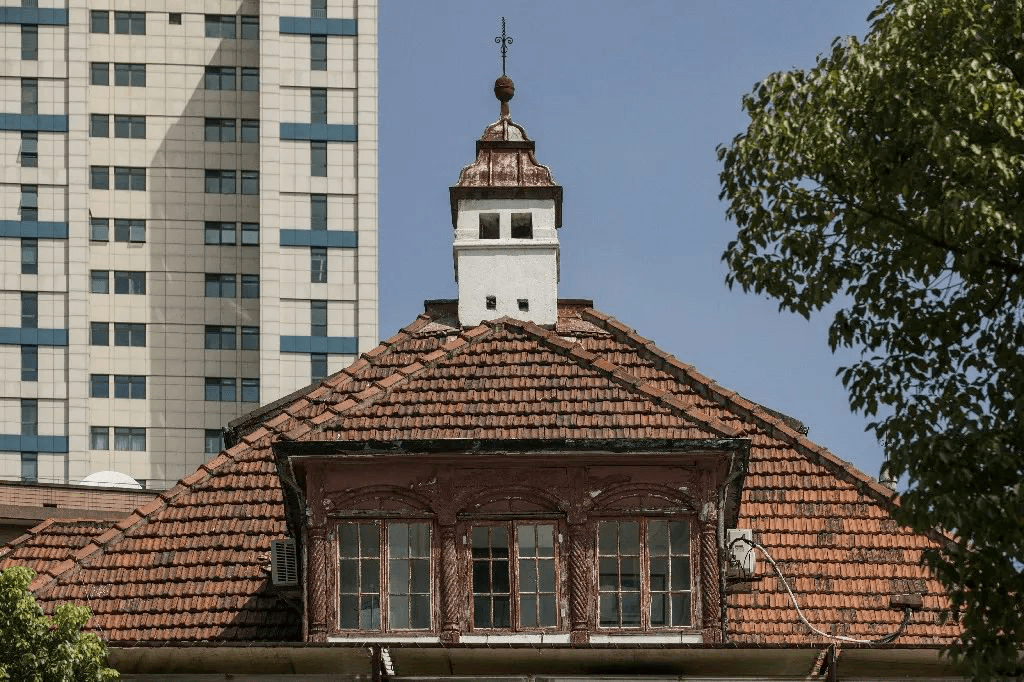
(504, 90)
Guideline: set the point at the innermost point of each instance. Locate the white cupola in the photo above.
(506, 209)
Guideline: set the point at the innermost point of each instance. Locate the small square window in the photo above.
(250, 286)
(99, 21)
(250, 130)
(99, 177)
(522, 226)
(133, 231)
(219, 130)
(132, 127)
(99, 73)
(129, 438)
(99, 281)
(250, 390)
(213, 441)
(99, 125)
(220, 26)
(131, 334)
(130, 23)
(318, 9)
(489, 226)
(219, 78)
(220, 285)
(220, 389)
(130, 74)
(491, 302)
(220, 337)
(174, 18)
(130, 386)
(99, 333)
(250, 234)
(250, 338)
(524, 304)
(99, 229)
(250, 27)
(250, 79)
(99, 385)
(250, 182)
(219, 232)
(129, 282)
(99, 437)
(317, 366)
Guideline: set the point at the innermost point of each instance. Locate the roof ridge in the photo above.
(378, 388)
(620, 375)
(143, 513)
(776, 426)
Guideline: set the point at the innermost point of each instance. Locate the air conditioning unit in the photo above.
(284, 567)
(742, 558)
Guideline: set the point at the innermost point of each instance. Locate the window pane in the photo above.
(359, 566)
(250, 130)
(99, 385)
(98, 229)
(318, 105)
(99, 281)
(250, 234)
(490, 577)
(318, 159)
(99, 438)
(29, 256)
(99, 333)
(317, 264)
(250, 338)
(318, 211)
(318, 53)
(29, 42)
(99, 73)
(30, 363)
(250, 79)
(250, 28)
(99, 21)
(317, 366)
(212, 441)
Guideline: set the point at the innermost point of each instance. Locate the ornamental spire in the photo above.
(504, 88)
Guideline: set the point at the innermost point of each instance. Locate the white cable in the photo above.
(800, 613)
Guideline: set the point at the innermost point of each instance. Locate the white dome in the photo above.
(111, 479)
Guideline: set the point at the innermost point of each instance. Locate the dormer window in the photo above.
(522, 226)
(489, 226)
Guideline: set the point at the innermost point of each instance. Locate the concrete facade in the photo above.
(188, 216)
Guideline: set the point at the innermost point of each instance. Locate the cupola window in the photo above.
(522, 226)
(489, 226)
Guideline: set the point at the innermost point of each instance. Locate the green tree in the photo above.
(886, 183)
(39, 648)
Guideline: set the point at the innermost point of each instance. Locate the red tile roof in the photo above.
(194, 563)
(48, 544)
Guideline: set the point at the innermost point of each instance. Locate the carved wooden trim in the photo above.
(581, 587)
(451, 595)
(316, 589)
(708, 587)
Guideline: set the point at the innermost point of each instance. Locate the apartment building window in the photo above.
(130, 334)
(250, 130)
(129, 230)
(99, 281)
(174, 18)
(29, 256)
(318, 53)
(318, 9)
(318, 159)
(317, 366)
(29, 310)
(30, 467)
(213, 441)
(250, 27)
(219, 130)
(318, 264)
(220, 26)
(99, 73)
(250, 338)
(29, 417)
(99, 125)
(29, 96)
(99, 333)
(220, 337)
(218, 232)
(219, 78)
(318, 105)
(250, 234)
(250, 286)
(130, 74)
(220, 285)
(250, 79)
(250, 390)
(130, 23)
(29, 154)
(29, 42)
(250, 182)
(99, 21)
(129, 438)
(129, 282)
(318, 318)
(99, 385)
(99, 437)
(130, 178)
(99, 229)
(318, 211)
(29, 205)
(130, 386)
(220, 389)
(133, 127)
(220, 181)
(99, 177)
(30, 363)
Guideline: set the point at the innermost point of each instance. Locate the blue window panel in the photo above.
(17, 336)
(10, 442)
(32, 228)
(331, 239)
(43, 16)
(47, 123)
(336, 345)
(319, 27)
(319, 132)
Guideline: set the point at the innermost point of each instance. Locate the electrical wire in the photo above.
(785, 583)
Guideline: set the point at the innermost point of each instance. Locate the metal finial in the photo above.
(505, 42)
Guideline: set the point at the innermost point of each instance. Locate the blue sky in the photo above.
(626, 102)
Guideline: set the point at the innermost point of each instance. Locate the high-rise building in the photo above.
(188, 220)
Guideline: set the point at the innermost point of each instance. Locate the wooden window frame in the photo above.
(384, 578)
(645, 626)
(561, 589)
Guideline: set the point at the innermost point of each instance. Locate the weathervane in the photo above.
(505, 42)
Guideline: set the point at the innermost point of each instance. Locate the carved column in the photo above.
(710, 587)
(581, 578)
(316, 586)
(450, 593)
